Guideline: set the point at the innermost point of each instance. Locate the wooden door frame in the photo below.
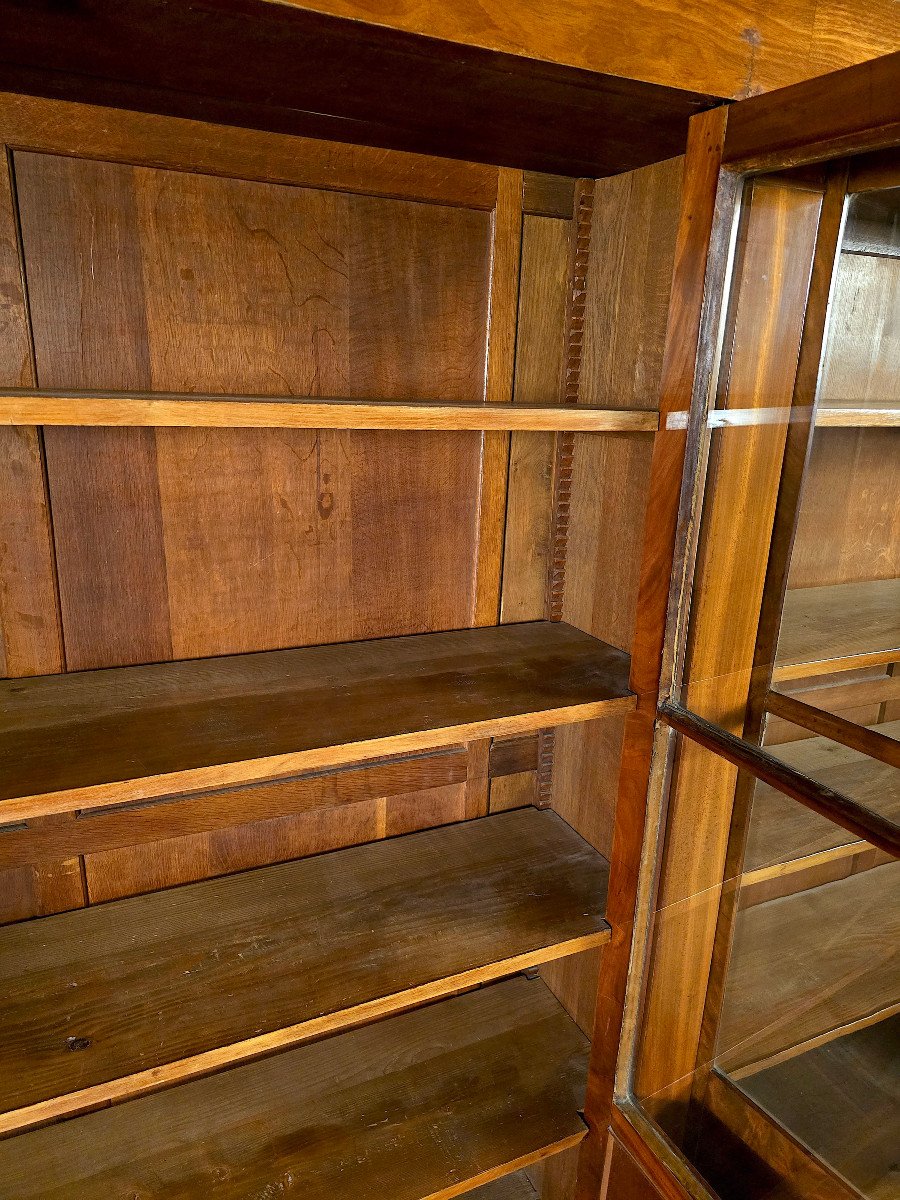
(851, 111)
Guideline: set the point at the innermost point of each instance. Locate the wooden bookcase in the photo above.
(341, 461)
(324, 476)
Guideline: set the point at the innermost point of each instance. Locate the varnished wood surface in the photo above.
(838, 627)
(172, 985)
(809, 963)
(850, 415)
(426, 786)
(697, 257)
(841, 1100)
(856, 108)
(469, 105)
(877, 743)
(254, 412)
(781, 830)
(732, 48)
(424, 1106)
(510, 1187)
(103, 737)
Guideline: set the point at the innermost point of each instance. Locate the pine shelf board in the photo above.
(173, 984)
(196, 410)
(807, 964)
(783, 832)
(838, 628)
(426, 1105)
(93, 739)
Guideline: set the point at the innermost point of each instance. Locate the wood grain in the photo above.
(97, 738)
(742, 1149)
(165, 987)
(468, 105)
(30, 627)
(880, 744)
(137, 824)
(506, 256)
(540, 349)
(248, 412)
(849, 522)
(839, 627)
(307, 291)
(427, 1105)
(853, 109)
(698, 256)
(734, 50)
(108, 132)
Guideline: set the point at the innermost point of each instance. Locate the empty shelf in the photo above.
(106, 1002)
(783, 831)
(291, 412)
(424, 1106)
(95, 738)
(804, 967)
(837, 628)
(841, 1101)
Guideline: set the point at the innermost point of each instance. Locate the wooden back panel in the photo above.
(138, 252)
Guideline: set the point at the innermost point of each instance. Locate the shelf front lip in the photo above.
(805, 669)
(857, 417)
(195, 410)
(208, 1062)
(257, 770)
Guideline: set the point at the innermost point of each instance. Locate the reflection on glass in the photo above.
(809, 1021)
(781, 830)
(771, 1014)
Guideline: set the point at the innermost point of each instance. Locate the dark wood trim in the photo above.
(848, 733)
(323, 76)
(843, 811)
(854, 109)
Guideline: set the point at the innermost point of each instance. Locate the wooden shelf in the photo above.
(784, 833)
(424, 1106)
(95, 738)
(842, 414)
(840, 1100)
(838, 628)
(290, 412)
(803, 967)
(170, 985)
(510, 1187)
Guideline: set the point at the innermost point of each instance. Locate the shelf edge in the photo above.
(208, 1062)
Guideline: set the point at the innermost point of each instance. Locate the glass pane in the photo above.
(809, 1026)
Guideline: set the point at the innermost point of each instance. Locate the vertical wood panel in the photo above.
(540, 352)
(505, 257)
(30, 640)
(224, 541)
(90, 330)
